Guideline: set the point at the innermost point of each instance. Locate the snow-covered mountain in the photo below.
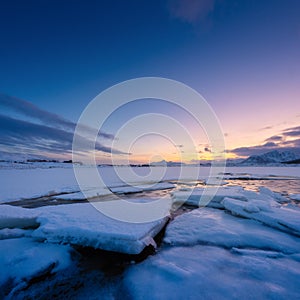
(271, 157)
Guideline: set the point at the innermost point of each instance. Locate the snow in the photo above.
(11, 233)
(283, 218)
(23, 259)
(33, 183)
(209, 226)
(209, 253)
(192, 196)
(276, 196)
(88, 194)
(81, 224)
(17, 217)
(213, 273)
(141, 188)
(17, 184)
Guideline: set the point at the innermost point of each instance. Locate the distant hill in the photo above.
(167, 163)
(272, 157)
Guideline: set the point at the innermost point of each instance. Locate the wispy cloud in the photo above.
(44, 133)
(190, 11)
(292, 132)
(265, 128)
(284, 141)
(30, 110)
(274, 138)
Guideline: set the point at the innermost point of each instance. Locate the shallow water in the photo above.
(282, 186)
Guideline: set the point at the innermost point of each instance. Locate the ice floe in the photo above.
(283, 218)
(209, 226)
(23, 259)
(81, 224)
(17, 217)
(215, 195)
(208, 272)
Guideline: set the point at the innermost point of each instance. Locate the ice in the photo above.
(283, 218)
(33, 183)
(141, 188)
(17, 217)
(81, 224)
(215, 227)
(276, 196)
(295, 197)
(53, 179)
(214, 181)
(262, 172)
(192, 196)
(23, 259)
(212, 273)
(11, 233)
(88, 194)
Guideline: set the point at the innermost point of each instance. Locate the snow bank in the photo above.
(23, 259)
(283, 218)
(215, 227)
(212, 273)
(81, 224)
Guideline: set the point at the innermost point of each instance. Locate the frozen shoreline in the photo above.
(261, 249)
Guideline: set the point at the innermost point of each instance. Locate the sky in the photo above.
(241, 56)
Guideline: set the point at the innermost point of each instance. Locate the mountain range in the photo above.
(272, 157)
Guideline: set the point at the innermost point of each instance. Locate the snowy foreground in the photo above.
(243, 245)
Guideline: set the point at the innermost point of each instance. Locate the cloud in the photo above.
(265, 128)
(190, 11)
(292, 132)
(283, 141)
(255, 150)
(206, 149)
(21, 135)
(30, 110)
(49, 135)
(274, 138)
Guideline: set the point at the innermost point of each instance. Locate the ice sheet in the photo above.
(283, 218)
(213, 273)
(215, 227)
(81, 224)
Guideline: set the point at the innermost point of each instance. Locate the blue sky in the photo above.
(242, 56)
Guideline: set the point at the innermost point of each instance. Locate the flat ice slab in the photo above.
(283, 218)
(207, 226)
(206, 272)
(81, 224)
